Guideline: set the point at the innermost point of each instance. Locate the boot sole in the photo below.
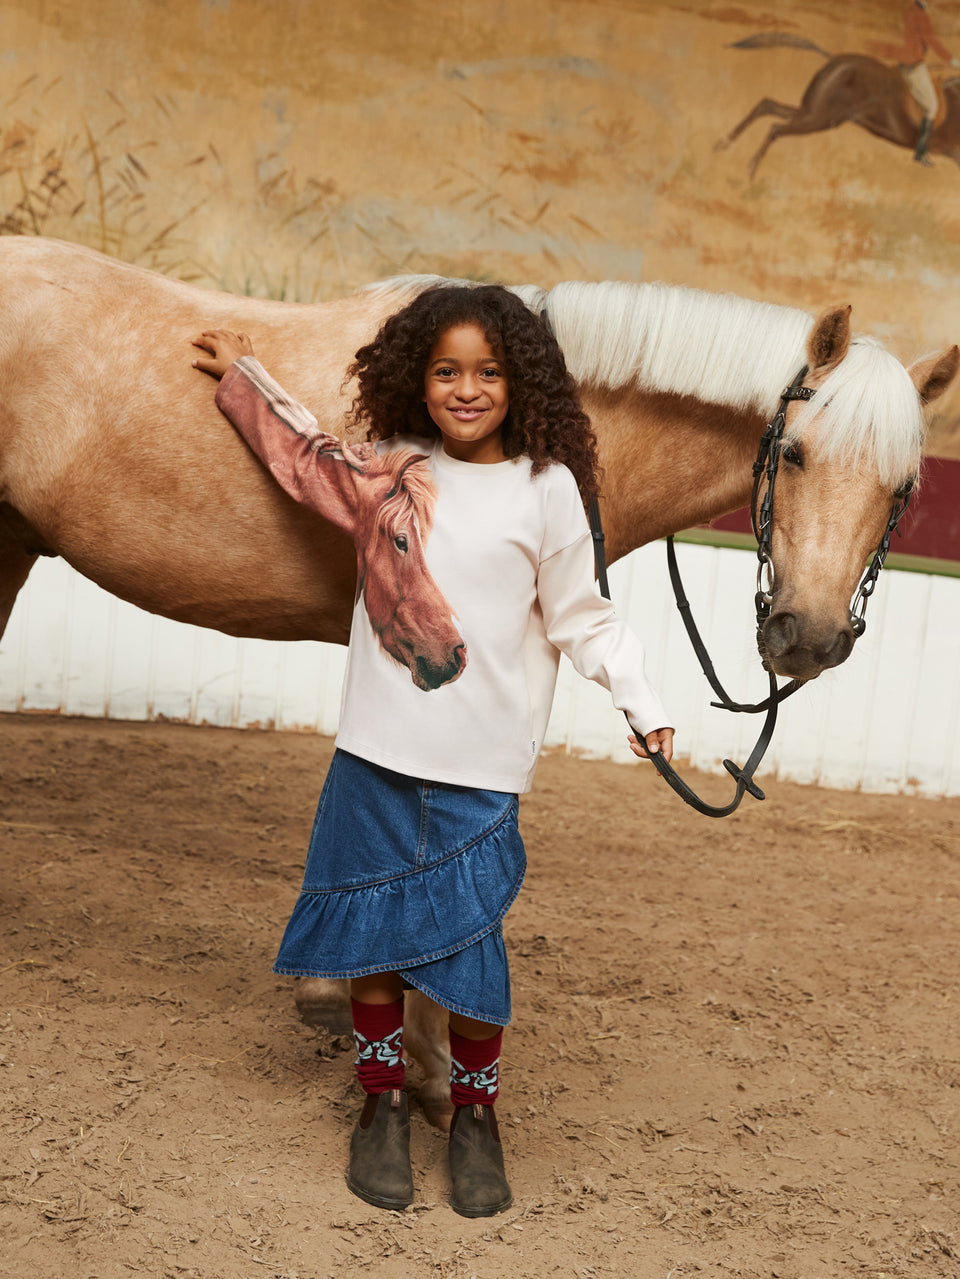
(378, 1201)
(487, 1210)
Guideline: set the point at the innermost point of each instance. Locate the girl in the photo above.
(415, 855)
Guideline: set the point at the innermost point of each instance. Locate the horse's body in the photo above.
(113, 454)
(857, 89)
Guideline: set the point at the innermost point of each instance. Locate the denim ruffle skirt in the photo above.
(413, 877)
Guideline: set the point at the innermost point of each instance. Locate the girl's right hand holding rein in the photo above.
(224, 347)
(661, 739)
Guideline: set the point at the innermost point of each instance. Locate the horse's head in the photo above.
(407, 611)
(847, 452)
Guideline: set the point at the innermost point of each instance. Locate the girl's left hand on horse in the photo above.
(225, 348)
(660, 740)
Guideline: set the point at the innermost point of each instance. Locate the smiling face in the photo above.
(465, 391)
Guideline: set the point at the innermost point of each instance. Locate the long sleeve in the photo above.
(314, 467)
(584, 626)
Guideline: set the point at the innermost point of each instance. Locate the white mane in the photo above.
(728, 350)
(718, 347)
(868, 414)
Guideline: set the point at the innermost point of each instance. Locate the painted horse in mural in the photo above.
(857, 89)
(114, 456)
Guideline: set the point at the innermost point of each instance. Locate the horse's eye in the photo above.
(791, 453)
(400, 542)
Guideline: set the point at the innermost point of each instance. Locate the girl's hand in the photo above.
(224, 346)
(661, 739)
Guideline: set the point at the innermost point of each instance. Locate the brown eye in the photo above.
(791, 453)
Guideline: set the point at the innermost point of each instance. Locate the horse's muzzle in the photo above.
(798, 651)
(429, 675)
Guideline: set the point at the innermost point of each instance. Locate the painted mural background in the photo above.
(300, 149)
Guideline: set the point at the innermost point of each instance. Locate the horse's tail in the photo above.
(779, 40)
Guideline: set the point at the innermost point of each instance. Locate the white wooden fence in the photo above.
(887, 720)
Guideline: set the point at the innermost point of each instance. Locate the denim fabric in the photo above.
(409, 876)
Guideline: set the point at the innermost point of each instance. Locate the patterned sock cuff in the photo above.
(378, 1035)
(475, 1069)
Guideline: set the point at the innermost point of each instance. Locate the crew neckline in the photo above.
(458, 464)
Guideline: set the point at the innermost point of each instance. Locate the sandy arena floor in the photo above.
(735, 1049)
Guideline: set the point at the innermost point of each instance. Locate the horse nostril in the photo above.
(839, 650)
(780, 634)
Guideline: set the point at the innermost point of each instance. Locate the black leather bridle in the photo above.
(761, 515)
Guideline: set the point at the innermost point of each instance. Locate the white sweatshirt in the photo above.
(509, 555)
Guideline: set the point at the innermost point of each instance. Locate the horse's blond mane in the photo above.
(414, 494)
(728, 350)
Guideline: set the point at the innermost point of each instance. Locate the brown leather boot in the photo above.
(379, 1168)
(480, 1187)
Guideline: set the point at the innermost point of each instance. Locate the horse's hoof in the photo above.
(333, 1020)
(437, 1111)
(321, 1008)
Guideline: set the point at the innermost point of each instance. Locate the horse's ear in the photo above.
(934, 373)
(357, 456)
(829, 339)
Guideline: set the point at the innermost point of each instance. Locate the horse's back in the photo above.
(860, 89)
(92, 352)
(62, 282)
(58, 285)
(855, 76)
(88, 276)
(113, 450)
(95, 349)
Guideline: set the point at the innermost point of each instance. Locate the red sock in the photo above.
(378, 1034)
(474, 1069)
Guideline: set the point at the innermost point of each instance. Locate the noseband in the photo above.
(761, 517)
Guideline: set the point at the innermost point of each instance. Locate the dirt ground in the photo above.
(735, 1045)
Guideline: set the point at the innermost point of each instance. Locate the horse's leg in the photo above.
(426, 1037)
(847, 89)
(766, 106)
(324, 1003)
(15, 565)
(795, 126)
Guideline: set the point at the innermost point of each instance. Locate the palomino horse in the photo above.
(860, 90)
(113, 454)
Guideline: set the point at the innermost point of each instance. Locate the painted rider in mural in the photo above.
(918, 39)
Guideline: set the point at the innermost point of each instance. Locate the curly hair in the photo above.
(544, 421)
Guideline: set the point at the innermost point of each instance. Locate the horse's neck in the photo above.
(670, 462)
